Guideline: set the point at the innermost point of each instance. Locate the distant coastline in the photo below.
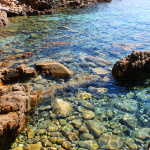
(31, 8)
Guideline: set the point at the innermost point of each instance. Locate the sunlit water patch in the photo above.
(100, 112)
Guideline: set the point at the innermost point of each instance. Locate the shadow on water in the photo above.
(143, 81)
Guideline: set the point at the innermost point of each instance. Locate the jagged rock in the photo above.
(6, 62)
(8, 75)
(132, 66)
(54, 68)
(14, 105)
(3, 18)
(27, 10)
(41, 4)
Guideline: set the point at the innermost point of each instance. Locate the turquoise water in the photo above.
(110, 31)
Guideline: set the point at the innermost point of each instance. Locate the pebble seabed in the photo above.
(92, 110)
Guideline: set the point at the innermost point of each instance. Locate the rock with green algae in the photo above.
(86, 136)
(84, 96)
(66, 144)
(86, 105)
(89, 144)
(46, 143)
(31, 132)
(88, 114)
(143, 134)
(129, 120)
(107, 141)
(96, 128)
(131, 144)
(77, 123)
(52, 127)
(36, 146)
(83, 129)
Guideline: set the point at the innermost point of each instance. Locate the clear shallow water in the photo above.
(110, 31)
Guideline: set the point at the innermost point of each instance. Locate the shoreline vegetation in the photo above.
(12, 8)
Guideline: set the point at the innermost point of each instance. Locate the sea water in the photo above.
(90, 37)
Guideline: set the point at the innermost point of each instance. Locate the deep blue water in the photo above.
(105, 30)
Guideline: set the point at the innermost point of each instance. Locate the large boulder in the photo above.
(56, 69)
(15, 103)
(3, 18)
(132, 66)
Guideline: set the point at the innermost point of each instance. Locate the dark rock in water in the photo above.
(12, 13)
(74, 3)
(3, 18)
(27, 10)
(148, 145)
(132, 66)
(14, 105)
(8, 75)
(54, 68)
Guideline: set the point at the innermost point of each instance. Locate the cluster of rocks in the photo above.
(132, 66)
(12, 8)
(76, 125)
(15, 103)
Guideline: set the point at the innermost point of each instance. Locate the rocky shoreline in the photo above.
(11, 8)
(17, 101)
(78, 121)
(71, 123)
